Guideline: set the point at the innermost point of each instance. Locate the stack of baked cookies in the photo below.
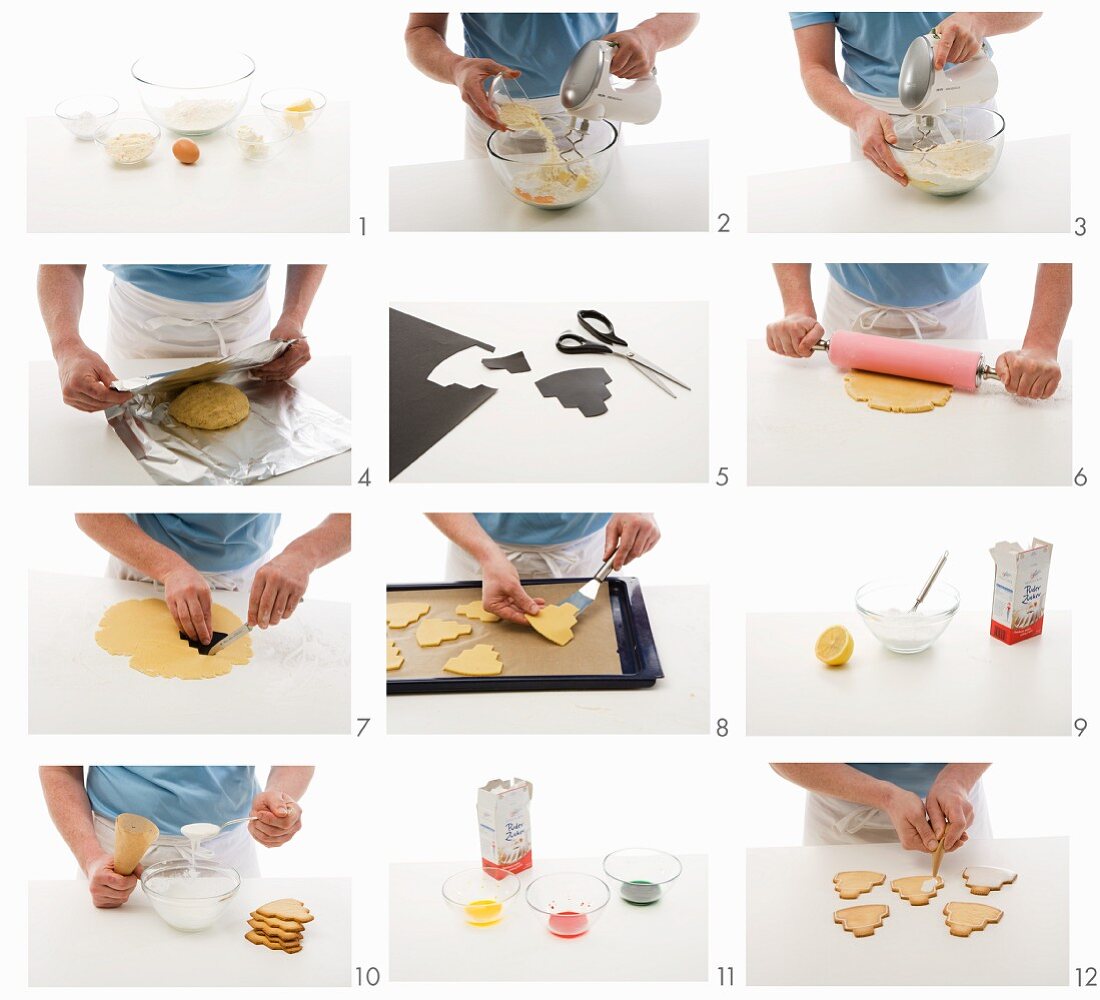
(279, 925)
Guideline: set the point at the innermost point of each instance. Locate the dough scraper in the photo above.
(218, 640)
(591, 590)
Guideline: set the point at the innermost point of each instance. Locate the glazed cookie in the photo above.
(963, 918)
(852, 885)
(862, 921)
(982, 881)
(917, 889)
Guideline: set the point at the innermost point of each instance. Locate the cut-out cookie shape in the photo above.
(852, 885)
(982, 881)
(404, 613)
(894, 394)
(285, 909)
(394, 659)
(481, 661)
(434, 631)
(583, 389)
(917, 889)
(862, 921)
(477, 612)
(513, 363)
(963, 918)
(555, 622)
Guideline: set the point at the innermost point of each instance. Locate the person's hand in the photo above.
(108, 888)
(634, 534)
(503, 595)
(1029, 373)
(187, 595)
(86, 381)
(960, 39)
(875, 130)
(277, 590)
(470, 76)
(794, 336)
(278, 818)
(287, 363)
(948, 806)
(906, 812)
(635, 55)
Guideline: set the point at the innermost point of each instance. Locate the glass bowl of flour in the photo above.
(190, 897)
(959, 153)
(884, 607)
(193, 93)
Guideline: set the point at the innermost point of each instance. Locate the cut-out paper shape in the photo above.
(394, 659)
(433, 631)
(514, 363)
(404, 613)
(895, 394)
(965, 918)
(477, 612)
(481, 661)
(583, 389)
(852, 885)
(982, 881)
(917, 889)
(862, 921)
(555, 622)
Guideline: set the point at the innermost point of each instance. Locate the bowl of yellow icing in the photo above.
(481, 896)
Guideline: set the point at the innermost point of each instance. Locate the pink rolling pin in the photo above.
(909, 358)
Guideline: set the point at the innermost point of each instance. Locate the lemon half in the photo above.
(834, 646)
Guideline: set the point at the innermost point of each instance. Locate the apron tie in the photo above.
(867, 318)
(154, 323)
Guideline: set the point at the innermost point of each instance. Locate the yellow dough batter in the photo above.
(477, 612)
(895, 394)
(145, 631)
(403, 614)
(434, 631)
(394, 659)
(555, 622)
(209, 406)
(481, 661)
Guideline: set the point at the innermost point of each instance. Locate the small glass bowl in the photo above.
(260, 137)
(128, 126)
(883, 605)
(571, 902)
(84, 115)
(277, 105)
(190, 897)
(480, 896)
(643, 874)
(961, 134)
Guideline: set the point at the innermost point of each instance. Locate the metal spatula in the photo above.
(590, 591)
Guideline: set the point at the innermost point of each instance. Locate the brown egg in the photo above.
(185, 151)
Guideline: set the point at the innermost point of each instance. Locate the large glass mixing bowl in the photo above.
(949, 154)
(190, 897)
(194, 92)
(522, 162)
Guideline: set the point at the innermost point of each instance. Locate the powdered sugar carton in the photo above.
(1019, 590)
(504, 824)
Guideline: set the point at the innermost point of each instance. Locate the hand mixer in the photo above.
(908, 358)
(587, 91)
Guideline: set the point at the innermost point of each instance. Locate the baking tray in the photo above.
(638, 658)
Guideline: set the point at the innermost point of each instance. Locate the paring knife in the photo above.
(590, 591)
(229, 639)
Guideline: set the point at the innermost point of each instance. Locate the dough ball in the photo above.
(210, 406)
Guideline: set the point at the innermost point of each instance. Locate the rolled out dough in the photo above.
(210, 406)
(145, 631)
(895, 394)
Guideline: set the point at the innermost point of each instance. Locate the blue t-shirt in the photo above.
(212, 543)
(540, 529)
(173, 796)
(916, 778)
(540, 46)
(907, 285)
(873, 44)
(195, 282)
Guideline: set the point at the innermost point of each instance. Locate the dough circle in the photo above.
(895, 394)
(209, 406)
(145, 631)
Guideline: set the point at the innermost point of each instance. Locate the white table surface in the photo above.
(298, 681)
(645, 435)
(429, 942)
(792, 940)
(71, 943)
(71, 448)
(1028, 193)
(804, 430)
(661, 187)
(678, 703)
(967, 684)
(74, 187)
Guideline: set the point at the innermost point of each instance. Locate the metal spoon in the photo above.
(928, 586)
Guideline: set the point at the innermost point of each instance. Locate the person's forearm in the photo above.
(838, 780)
(60, 300)
(70, 810)
(292, 780)
(1003, 23)
(328, 541)
(794, 289)
(1050, 308)
(829, 93)
(302, 282)
(668, 30)
(126, 541)
(426, 45)
(468, 535)
(966, 775)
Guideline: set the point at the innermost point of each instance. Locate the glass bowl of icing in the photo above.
(958, 154)
(193, 92)
(481, 896)
(570, 903)
(642, 874)
(190, 897)
(884, 607)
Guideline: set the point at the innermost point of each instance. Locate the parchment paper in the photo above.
(594, 649)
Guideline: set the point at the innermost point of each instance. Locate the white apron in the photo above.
(957, 319)
(580, 558)
(231, 579)
(892, 106)
(830, 821)
(233, 847)
(143, 325)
